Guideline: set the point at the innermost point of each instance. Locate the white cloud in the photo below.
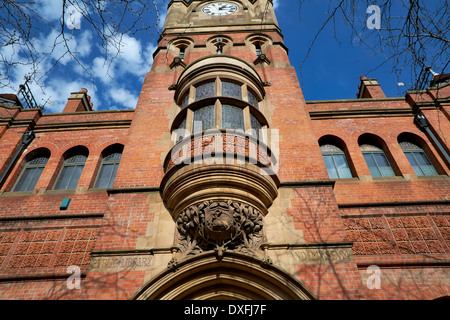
(276, 3)
(50, 9)
(123, 97)
(116, 80)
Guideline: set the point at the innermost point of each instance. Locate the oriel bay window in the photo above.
(219, 87)
(218, 103)
(218, 113)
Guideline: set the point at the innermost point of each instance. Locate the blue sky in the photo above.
(331, 72)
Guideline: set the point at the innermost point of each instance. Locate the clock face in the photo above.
(220, 8)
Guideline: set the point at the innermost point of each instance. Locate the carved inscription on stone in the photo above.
(321, 255)
(121, 263)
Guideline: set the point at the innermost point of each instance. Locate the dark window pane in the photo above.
(425, 164)
(413, 163)
(113, 176)
(383, 165)
(204, 119)
(181, 130)
(371, 164)
(105, 175)
(185, 101)
(64, 178)
(24, 179)
(75, 177)
(232, 117)
(205, 90)
(332, 173)
(258, 49)
(342, 166)
(35, 178)
(256, 125)
(252, 100)
(230, 89)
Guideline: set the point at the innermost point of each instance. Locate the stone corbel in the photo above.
(177, 61)
(261, 59)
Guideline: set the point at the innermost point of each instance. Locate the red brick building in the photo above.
(224, 183)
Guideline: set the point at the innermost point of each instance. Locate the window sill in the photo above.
(57, 192)
(17, 194)
(434, 177)
(385, 179)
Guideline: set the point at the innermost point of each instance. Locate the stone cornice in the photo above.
(361, 113)
(85, 125)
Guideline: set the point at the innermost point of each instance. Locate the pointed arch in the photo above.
(232, 276)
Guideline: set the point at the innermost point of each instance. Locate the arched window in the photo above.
(335, 162)
(418, 159)
(376, 160)
(108, 168)
(31, 172)
(71, 171)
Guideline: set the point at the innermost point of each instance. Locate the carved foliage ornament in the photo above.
(220, 224)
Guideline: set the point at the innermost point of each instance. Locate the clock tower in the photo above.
(222, 154)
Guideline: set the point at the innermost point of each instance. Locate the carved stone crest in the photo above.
(221, 224)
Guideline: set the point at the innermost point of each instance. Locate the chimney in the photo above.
(370, 89)
(78, 102)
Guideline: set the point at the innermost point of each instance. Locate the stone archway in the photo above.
(233, 276)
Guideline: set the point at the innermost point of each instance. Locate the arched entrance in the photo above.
(234, 276)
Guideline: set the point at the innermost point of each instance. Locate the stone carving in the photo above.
(220, 225)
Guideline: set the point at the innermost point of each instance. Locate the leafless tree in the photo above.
(412, 35)
(22, 23)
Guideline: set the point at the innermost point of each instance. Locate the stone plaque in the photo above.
(121, 263)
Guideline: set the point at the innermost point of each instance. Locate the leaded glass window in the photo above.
(204, 118)
(205, 90)
(418, 159)
(255, 125)
(30, 174)
(181, 130)
(252, 100)
(335, 162)
(185, 101)
(232, 117)
(377, 161)
(231, 89)
(71, 172)
(108, 170)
